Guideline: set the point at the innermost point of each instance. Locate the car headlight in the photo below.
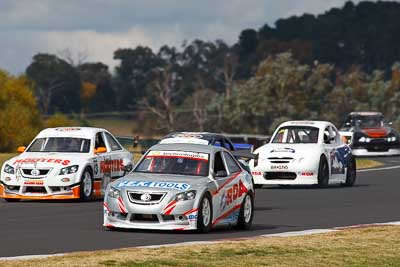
(362, 139)
(391, 139)
(9, 169)
(114, 193)
(69, 170)
(189, 195)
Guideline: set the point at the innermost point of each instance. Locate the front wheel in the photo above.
(351, 173)
(204, 216)
(246, 212)
(323, 173)
(86, 185)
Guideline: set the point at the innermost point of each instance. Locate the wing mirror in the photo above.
(127, 168)
(100, 150)
(221, 174)
(21, 149)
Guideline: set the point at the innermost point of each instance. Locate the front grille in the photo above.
(42, 172)
(152, 218)
(280, 159)
(154, 197)
(280, 175)
(35, 189)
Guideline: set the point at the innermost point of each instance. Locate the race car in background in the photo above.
(182, 187)
(241, 151)
(304, 153)
(206, 138)
(64, 163)
(370, 135)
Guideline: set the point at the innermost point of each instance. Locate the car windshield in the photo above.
(296, 135)
(60, 144)
(175, 162)
(370, 121)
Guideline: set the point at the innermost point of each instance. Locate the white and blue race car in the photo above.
(304, 153)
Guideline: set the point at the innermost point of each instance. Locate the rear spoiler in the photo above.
(244, 154)
(243, 146)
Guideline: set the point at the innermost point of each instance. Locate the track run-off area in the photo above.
(50, 227)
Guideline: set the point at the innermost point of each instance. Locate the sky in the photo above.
(96, 28)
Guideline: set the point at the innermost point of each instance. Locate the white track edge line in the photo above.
(191, 243)
(379, 169)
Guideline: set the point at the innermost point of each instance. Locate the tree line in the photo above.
(314, 67)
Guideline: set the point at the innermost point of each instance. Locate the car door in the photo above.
(116, 154)
(100, 162)
(224, 198)
(335, 160)
(342, 151)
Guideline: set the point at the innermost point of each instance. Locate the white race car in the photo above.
(64, 163)
(304, 153)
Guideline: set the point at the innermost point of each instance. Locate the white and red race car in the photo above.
(64, 163)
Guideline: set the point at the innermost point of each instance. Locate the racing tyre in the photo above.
(86, 185)
(323, 173)
(12, 199)
(351, 173)
(204, 217)
(246, 212)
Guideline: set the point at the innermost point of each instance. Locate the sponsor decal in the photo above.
(192, 217)
(33, 182)
(256, 173)
(167, 185)
(188, 135)
(178, 154)
(96, 167)
(232, 193)
(306, 173)
(68, 129)
(114, 165)
(284, 149)
(47, 160)
(279, 167)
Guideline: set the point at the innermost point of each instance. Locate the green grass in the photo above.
(364, 246)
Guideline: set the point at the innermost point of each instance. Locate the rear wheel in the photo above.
(86, 185)
(323, 173)
(351, 173)
(246, 212)
(204, 216)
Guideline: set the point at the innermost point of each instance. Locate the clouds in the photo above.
(101, 26)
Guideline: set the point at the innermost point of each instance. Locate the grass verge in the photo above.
(367, 163)
(370, 246)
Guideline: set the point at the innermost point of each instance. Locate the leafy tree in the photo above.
(98, 74)
(19, 117)
(56, 84)
(132, 75)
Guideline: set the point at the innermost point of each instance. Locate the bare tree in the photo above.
(75, 60)
(163, 91)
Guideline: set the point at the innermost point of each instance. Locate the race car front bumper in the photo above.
(120, 213)
(362, 152)
(38, 192)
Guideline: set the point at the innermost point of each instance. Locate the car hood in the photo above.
(137, 180)
(286, 150)
(52, 159)
(376, 132)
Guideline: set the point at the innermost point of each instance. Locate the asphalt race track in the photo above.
(31, 228)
